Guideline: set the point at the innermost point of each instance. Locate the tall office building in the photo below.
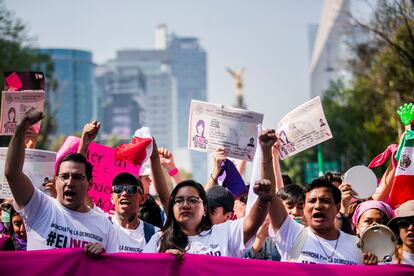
(120, 94)
(175, 73)
(71, 103)
(331, 49)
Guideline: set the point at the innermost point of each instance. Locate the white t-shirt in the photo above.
(225, 239)
(346, 251)
(131, 240)
(51, 225)
(407, 258)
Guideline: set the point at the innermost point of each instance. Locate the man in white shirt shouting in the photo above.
(64, 222)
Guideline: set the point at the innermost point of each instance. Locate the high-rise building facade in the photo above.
(175, 73)
(71, 103)
(333, 41)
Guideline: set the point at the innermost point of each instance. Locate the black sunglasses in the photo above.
(405, 223)
(130, 189)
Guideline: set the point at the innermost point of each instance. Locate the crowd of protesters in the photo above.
(317, 223)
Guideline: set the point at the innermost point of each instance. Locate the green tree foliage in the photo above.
(362, 115)
(17, 54)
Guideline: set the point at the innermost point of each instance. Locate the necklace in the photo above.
(324, 252)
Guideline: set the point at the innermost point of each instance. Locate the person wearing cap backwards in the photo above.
(220, 204)
(403, 226)
(64, 222)
(127, 196)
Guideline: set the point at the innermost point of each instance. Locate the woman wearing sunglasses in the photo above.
(403, 226)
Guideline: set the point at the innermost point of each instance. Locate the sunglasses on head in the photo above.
(130, 189)
(405, 223)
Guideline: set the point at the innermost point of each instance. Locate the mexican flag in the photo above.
(402, 188)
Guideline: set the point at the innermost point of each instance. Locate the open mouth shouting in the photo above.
(318, 217)
(124, 202)
(69, 195)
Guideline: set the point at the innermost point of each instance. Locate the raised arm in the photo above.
(219, 155)
(385, 186)
(167, 161)
(265, 188)
(160, 183)
(277, 211)
(20, 185)
(276, 166)
(259, 210)
(241, 166)
(89, 133)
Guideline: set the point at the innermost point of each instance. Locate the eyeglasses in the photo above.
(6, 207)
(75, 176)
(191, 200)
(130, 189)
(405, 223)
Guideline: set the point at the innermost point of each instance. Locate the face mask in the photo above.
(5, 218)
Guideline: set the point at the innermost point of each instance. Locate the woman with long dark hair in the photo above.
(189, 229)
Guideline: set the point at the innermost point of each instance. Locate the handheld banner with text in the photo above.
(105, 168)
(13, 107)
(212, 125)
(303, 128)
(38, 166)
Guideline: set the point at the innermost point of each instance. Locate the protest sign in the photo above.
(38, 166)
(302, 128)
(13, 107)
(212, 125)
(105, 168)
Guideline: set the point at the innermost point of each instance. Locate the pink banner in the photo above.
(105, 168)
(73, 262)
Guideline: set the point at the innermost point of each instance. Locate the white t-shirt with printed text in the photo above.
(346, 251)
(131, 240)
(51, 225)
(225, 239)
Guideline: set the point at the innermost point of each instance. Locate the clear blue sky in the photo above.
(267, 37)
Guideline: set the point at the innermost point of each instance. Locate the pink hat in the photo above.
(371, 204)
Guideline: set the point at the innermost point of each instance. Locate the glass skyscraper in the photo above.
(71, 103)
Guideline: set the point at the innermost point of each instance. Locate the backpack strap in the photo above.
(149, 231)
(298, 245)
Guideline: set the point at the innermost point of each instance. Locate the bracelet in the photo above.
(215, 180)
(173, 172)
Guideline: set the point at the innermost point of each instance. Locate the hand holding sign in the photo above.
(406, 113)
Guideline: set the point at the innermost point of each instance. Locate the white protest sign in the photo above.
(38, 165)
(212, 125)
(303, 128)
(15, 104)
